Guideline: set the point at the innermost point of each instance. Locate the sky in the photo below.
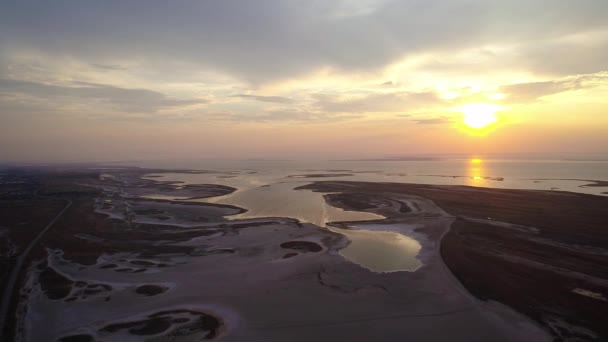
(313, 79)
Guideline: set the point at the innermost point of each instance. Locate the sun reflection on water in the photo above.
(475, 172)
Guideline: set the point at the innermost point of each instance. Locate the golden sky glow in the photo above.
(301, 80)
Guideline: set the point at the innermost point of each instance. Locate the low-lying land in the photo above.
(136, 258)
(542, 253)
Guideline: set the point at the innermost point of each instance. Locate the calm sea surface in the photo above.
(513, 174)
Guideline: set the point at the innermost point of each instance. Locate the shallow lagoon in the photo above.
(266, 189)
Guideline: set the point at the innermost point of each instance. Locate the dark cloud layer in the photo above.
(141, 100)
(434, 121)
(287, 115)
(264, 40)
(273, 99)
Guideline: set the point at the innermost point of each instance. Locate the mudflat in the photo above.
(544, 253)
(124, 263)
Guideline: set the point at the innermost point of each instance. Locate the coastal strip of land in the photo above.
(135, 257)
(542, 253)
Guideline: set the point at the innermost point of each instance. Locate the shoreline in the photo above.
(491, 244)
(139, 243)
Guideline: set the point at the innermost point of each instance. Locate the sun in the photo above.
(479, 115)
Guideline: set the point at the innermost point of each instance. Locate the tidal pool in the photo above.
(274, 195)
(381, 251)
(376, 250)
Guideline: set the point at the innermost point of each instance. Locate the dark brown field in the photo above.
(536, 251)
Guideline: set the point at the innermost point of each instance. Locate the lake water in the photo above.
(266, 189)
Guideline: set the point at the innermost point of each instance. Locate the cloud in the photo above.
(581, 53)
(130, 100)
(526, 92)
(261, 41)
(273, 99)
(434, 121)
(109, 66)
(278, 116)
(370, 103)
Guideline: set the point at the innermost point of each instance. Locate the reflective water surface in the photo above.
(515, 174)
(266, 190)
(381, 251)
(377, 250)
